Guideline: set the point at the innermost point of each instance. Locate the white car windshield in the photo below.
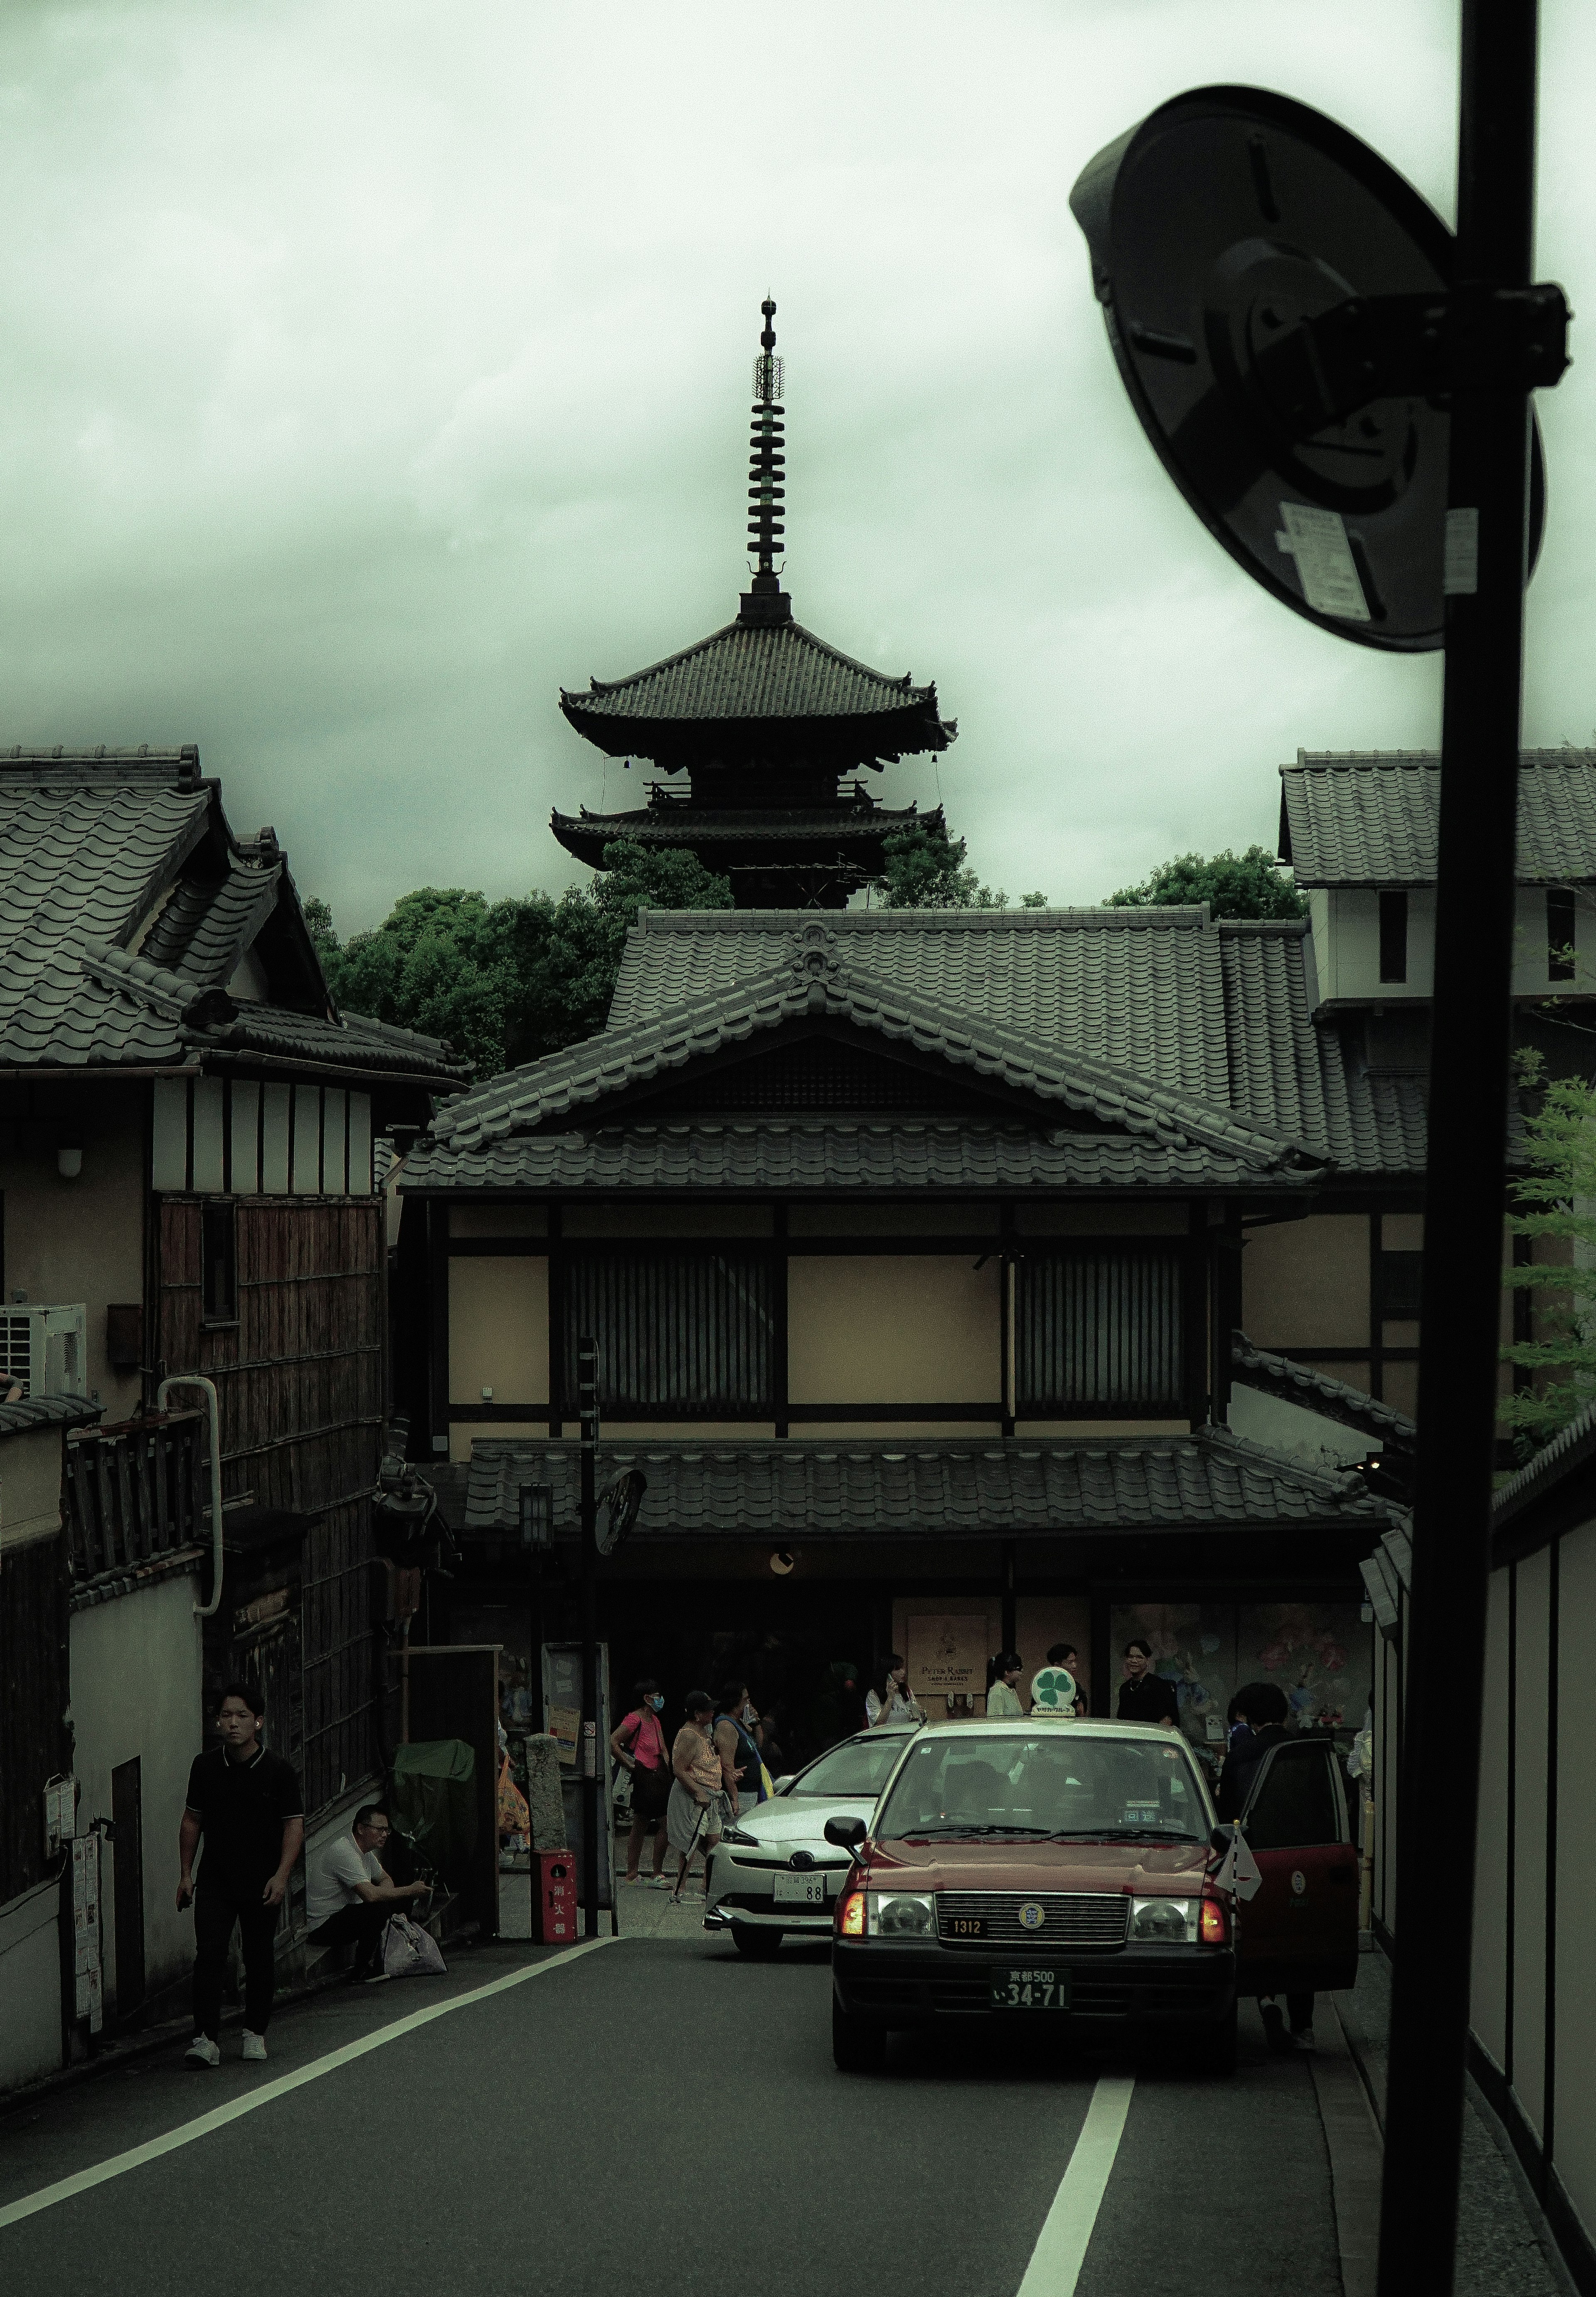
(1047, 1783)
(856, 1770)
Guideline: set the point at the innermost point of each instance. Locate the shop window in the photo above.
(218, 1262)
(1560, 934)
(1099, 1327)
(677, 1331)
(1394, 937)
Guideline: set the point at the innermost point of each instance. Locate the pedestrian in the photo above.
(1145, 1697)
(741, 1762)
(638, 1742)
(1070, 1661)
(1258, 1712)
(891, 1700)
(245, 1805)
(1002, 1684)
(1054, 1690)
(351, 1895)
(698, 1812)
(838, 1709)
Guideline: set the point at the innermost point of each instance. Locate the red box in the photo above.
(556, 1869)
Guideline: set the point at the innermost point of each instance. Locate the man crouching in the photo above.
(350, 1893)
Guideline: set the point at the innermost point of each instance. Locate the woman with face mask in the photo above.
(638, 1742)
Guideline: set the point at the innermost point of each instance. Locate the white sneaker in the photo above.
(1301, 2039)
(254, 2048)
(202, 2052)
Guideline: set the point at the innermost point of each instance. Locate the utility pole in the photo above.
(1493, 305)
(592, 1801)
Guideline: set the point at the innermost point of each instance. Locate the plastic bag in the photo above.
(514, 1820)
(411, 1952)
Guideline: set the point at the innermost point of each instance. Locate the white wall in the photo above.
(30, 1986)
(136, 1689)
(1345, 922)
(1295, 1430)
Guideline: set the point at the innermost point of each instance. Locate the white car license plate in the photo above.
(800, 1890)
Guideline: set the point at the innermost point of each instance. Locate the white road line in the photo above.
(1060, 2251)
(185, 2133)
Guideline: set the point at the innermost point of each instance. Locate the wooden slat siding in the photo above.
(33, 1698)
(133, 1546)
(299, 1385)
(88, 1548)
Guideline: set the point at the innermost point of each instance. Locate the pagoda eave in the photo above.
(673, 743)
(848, 840)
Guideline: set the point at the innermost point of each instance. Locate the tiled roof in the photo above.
(1295, 1383)
(685, 825)
(93, 847)
(46, 1411)
(1388, 1572)
(1574, 1446)
(830, 1155)
(807, 978)
(759, 675)
(1373, 818)
(885, 1489)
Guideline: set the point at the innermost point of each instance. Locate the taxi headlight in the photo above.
(894, 1915)
(1164, 1922)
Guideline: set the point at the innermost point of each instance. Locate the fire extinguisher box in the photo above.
(555, 1870)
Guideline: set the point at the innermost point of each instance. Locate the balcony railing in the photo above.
(136, 1491)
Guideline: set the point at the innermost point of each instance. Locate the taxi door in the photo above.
(1299, 1930)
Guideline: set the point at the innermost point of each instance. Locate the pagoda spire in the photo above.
(765, 601)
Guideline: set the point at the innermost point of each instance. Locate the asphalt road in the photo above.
(658, 2113)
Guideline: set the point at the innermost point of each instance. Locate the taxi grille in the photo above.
(1070, 1917)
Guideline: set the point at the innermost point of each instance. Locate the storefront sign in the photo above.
(947, 1654)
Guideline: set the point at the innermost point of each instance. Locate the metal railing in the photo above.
(136, 1491)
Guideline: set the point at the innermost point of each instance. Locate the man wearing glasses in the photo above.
(350, 1893)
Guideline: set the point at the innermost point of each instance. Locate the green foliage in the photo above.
(1249, 885)
(1558, 1198)
(507, 982)
(926, 869)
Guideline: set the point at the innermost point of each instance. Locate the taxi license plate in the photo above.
(1030, 1989)
(800, 1890)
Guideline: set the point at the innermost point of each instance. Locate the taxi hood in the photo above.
(1147, 1868)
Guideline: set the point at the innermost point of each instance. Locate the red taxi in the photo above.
(1068, 1872)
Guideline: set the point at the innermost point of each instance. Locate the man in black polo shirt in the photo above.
(1145, 1697)
(248, 1806)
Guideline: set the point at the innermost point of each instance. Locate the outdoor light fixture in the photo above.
(69, 1163)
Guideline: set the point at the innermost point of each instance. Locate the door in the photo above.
(1299, 1930)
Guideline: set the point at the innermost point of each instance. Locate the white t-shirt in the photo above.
(334, 1872)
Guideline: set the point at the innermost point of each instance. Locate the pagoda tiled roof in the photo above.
(1373, 817)
(770, 676)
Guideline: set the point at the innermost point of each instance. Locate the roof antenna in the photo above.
(765, 601)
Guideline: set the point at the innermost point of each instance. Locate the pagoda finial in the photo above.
(766, 601)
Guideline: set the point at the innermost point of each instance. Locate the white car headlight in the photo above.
(736, 1834)
(1164, 1922)
(902, 1915)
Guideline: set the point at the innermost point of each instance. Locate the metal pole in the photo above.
(1464, 1191)
(589, 1756)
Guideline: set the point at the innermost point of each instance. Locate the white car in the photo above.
(773, 1872)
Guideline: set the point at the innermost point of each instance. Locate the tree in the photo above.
(926, 869)
(1558, 1197)
(507, 982)
(1250, 884)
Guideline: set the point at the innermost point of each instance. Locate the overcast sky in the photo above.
(370, 370)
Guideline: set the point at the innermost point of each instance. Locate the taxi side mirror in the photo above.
(847, 1833)
(1220, 1839)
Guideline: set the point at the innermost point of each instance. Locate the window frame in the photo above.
(751, 1255)
(1170, 1402)
(1394, 936)
(219, 1215)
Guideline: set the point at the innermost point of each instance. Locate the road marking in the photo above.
(185, 2133)
(1060, 2251)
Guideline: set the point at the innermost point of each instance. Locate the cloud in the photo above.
(369, 371)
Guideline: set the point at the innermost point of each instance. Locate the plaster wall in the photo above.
(863, 1330)
(30, 1487)
(498, 1329)
(30, 1986)
(136, 1689)
(79, 1240)
(1346, 944)
(1306, 1283)
(1488, 1988)
(1574, 2141)
(1528, 1975)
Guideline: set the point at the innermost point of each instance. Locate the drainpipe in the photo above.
(194, 1379)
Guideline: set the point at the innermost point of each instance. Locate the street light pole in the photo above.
(1486, 571)
(592, 1801)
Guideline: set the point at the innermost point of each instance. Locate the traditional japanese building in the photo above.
(762, 730)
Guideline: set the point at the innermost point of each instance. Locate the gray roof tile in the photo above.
(46, 1411)
(1315, 1391)
(1373, 817)
(885, 1489)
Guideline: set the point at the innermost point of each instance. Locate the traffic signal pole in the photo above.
(1486, 571)
(589, 1755)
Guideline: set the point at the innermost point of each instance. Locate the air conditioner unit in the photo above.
(44, 1349)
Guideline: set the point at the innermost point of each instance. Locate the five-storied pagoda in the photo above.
(767, 724)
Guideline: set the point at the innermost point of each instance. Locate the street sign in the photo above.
(1280, 302)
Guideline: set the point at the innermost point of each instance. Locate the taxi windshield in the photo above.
(1046, 1784)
